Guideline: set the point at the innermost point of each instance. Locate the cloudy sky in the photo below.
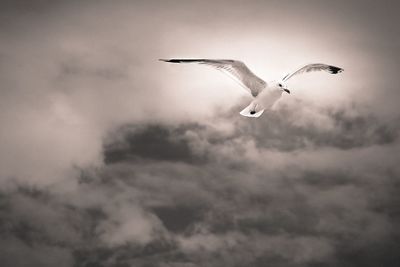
(109, 157)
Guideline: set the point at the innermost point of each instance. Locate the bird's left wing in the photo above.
(233, 68)
(313, 67)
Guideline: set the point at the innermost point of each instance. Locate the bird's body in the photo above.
(265, 94)
(264, 100)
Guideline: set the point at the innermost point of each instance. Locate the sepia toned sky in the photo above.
(109, 157)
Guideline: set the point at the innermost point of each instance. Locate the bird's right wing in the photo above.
(313, 67)
(233, 68)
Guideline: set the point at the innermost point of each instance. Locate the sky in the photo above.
(109, 157)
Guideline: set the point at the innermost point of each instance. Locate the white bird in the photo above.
(264, 94)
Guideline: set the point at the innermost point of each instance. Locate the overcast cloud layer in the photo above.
(109, 157)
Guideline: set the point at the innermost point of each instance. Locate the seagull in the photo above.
(265, 94)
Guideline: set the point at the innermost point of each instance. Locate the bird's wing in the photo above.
(313, 67)
(233, 68)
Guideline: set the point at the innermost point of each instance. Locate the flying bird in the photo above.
(264, 94)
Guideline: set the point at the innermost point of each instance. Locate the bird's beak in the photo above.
(286, 90)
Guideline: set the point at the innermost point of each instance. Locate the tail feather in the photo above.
(247, 112)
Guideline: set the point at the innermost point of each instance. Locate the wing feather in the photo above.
(233, 68)
(313, 67)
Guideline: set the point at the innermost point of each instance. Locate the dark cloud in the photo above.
(152, 142)
(341, 128)
(178, 218)
(155, 208)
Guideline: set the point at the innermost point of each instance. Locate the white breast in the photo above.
(268, 97)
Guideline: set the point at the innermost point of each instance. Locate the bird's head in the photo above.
(282, 87)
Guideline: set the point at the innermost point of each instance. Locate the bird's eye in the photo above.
(280, 85)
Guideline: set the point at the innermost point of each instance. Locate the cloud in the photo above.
(18, 254)
(298, 125)
(130, 224)
(147, 207)
(152, 142)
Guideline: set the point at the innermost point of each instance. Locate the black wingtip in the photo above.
(188, 60)
(335, 70)
(173, 60)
